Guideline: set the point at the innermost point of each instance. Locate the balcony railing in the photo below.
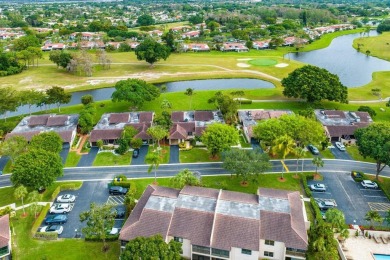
(295, 253)
(4, 251)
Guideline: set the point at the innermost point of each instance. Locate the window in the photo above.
(246, 251)
(178, 239)
(201, 249)
(270, 242)
(270, 254)
(219, 252)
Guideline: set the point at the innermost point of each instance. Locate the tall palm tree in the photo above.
(154, 160)
(19, 193)
(299, 152)
(284, 145)
(190, 92)
(373, 216)
(318, 162)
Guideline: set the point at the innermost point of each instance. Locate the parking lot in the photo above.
(351, 197)
(90, 192)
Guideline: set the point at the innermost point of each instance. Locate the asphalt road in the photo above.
(166, 170)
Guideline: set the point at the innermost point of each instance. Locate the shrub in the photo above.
(246, 101)
(5, 211)
(124, 184)
(55, 193)
(305, 186)
(39, 219)
(122, 177)
(96, 239)
(46, 235)
(358, 176)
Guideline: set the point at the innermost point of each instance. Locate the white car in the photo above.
(52, 228)
(340, 146)
(66, 198)
(60, 208)
(369, 184)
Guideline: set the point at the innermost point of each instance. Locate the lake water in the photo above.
(353, 68)
(208, 84)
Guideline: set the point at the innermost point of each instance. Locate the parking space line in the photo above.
(370, 190)
(115, 200)
(379, 206)
(349, 198)
(374, 196)
(320, 192)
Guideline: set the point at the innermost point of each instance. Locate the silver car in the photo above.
(318, 187)
(60, 209)
(52, 228)
(369, 184)
(66, 198)
(340, 146)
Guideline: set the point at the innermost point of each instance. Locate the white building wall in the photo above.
(235, 254)
(278, 249)
(186, 247)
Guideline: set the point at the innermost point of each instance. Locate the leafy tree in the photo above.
(145, 20)
(86, 99)
(123, 146)
(318, 162)
(58, 96)
(374, 141)
(13, 147)
(246, 164)
(34, 197)
(157, 133)
(190, 92)
(36, 169)
(151, 51)
(374, 217)
(219, 137)
(226, 105)
(128, 133)
(134, 91)
(9, 100)
(164, 120)
(170, 40)
(196, 19)
(86, 118)
(49, 141)
(314, 84)
(61, 58)
(322, 244)
(100, 220)
(24, 42)
(19, 193)
(185, 178)
(100, 143)
(31, 97)
(136, 143)
(335, 218)
(367, 109)
(165, 104)
(154, 160)
(153, 247)
(130, 200)
(284, 145)
(239, 94)
(384, 26)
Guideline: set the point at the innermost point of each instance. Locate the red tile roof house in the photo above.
(341, 125)
(196, 47)
(261, 44)
(110, 126)
(234, 46)
(249, 119)
(188, 124)
(53, 46)
(220, 224)
(64, 125)
(190, 35)
(5, 238)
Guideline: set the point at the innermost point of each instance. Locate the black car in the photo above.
(135, 153)
(56, 219)
(117, 190)
(313, 149)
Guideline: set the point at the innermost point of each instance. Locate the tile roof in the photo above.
(334, 113)
(27, 135)
(145, 117)
(199, 130)
(142, 130)
(4, 231)
(66, 136)
(116, 118)
(282, 194)
(340, 130)
(38, 120)
(56, 120)
(364, 116)
(200, 191)
(177, 116)
(177, 132)
(238, 196)
(105, 134)
(165, 192)
(203, 115)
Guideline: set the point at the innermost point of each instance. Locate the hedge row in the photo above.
(96, 239)
(246, 101)
(65, 186)
(313, 203)
(46, 235)
(39, 219)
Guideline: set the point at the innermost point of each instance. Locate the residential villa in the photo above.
(234, 46)
(188, 124)
(250, 118)
(64, 125)
(196, 47)
(341, 125)
(53, 46)
(258, 45)
(5, 238)
(110, 126)
(220, 224)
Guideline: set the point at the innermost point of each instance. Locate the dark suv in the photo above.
(117, 190)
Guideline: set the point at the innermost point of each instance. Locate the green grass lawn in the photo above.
(353, 151)
(164, 152)
(244, 143)
(72, 160)
(263, 62)
(28, 248)
(196, 155)
(379, 46)
(8, 167)
(46, 196)
(109, 159)
(327, 154)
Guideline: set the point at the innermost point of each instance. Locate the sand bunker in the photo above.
(243, 65)
(281, 65)
(245, 59)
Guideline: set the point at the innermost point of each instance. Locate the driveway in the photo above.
(174, 154)
(3, 162)
(141, 157)
(90, 192)
(255, 145)
(351, 197)
(64, 152)
(87, 159)
(342, 155)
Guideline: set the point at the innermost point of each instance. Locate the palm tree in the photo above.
(153, 159)
(318, 162)
(19, 193)
(33, 198)
(284, 145)
(373, 216)
(299, 152)
(190, 92)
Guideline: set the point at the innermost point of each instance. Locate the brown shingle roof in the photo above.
(340, 130)
(66, 136)
(105, 134)
(177, 116)
(334, 114)
(145, 117)
(56, 120)
(4, 231)
(188, 126)
(203, 115)
(282, 194)
(193, 225)
(142, 130)
(38, 120)
(199, 191)
(199, 130)
(116, 118)
(165, 192)
(27, 135)
(232, 231)
(177, 132)
(364, 116)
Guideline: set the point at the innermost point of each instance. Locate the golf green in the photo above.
(263, 62)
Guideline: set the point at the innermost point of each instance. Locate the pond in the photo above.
(208, 84)
(353, 68)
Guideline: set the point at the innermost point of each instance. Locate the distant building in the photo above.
(220, 224)
(53, 47)
(5, 238)
(234, 46)
(196, 47)
(258, 45)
